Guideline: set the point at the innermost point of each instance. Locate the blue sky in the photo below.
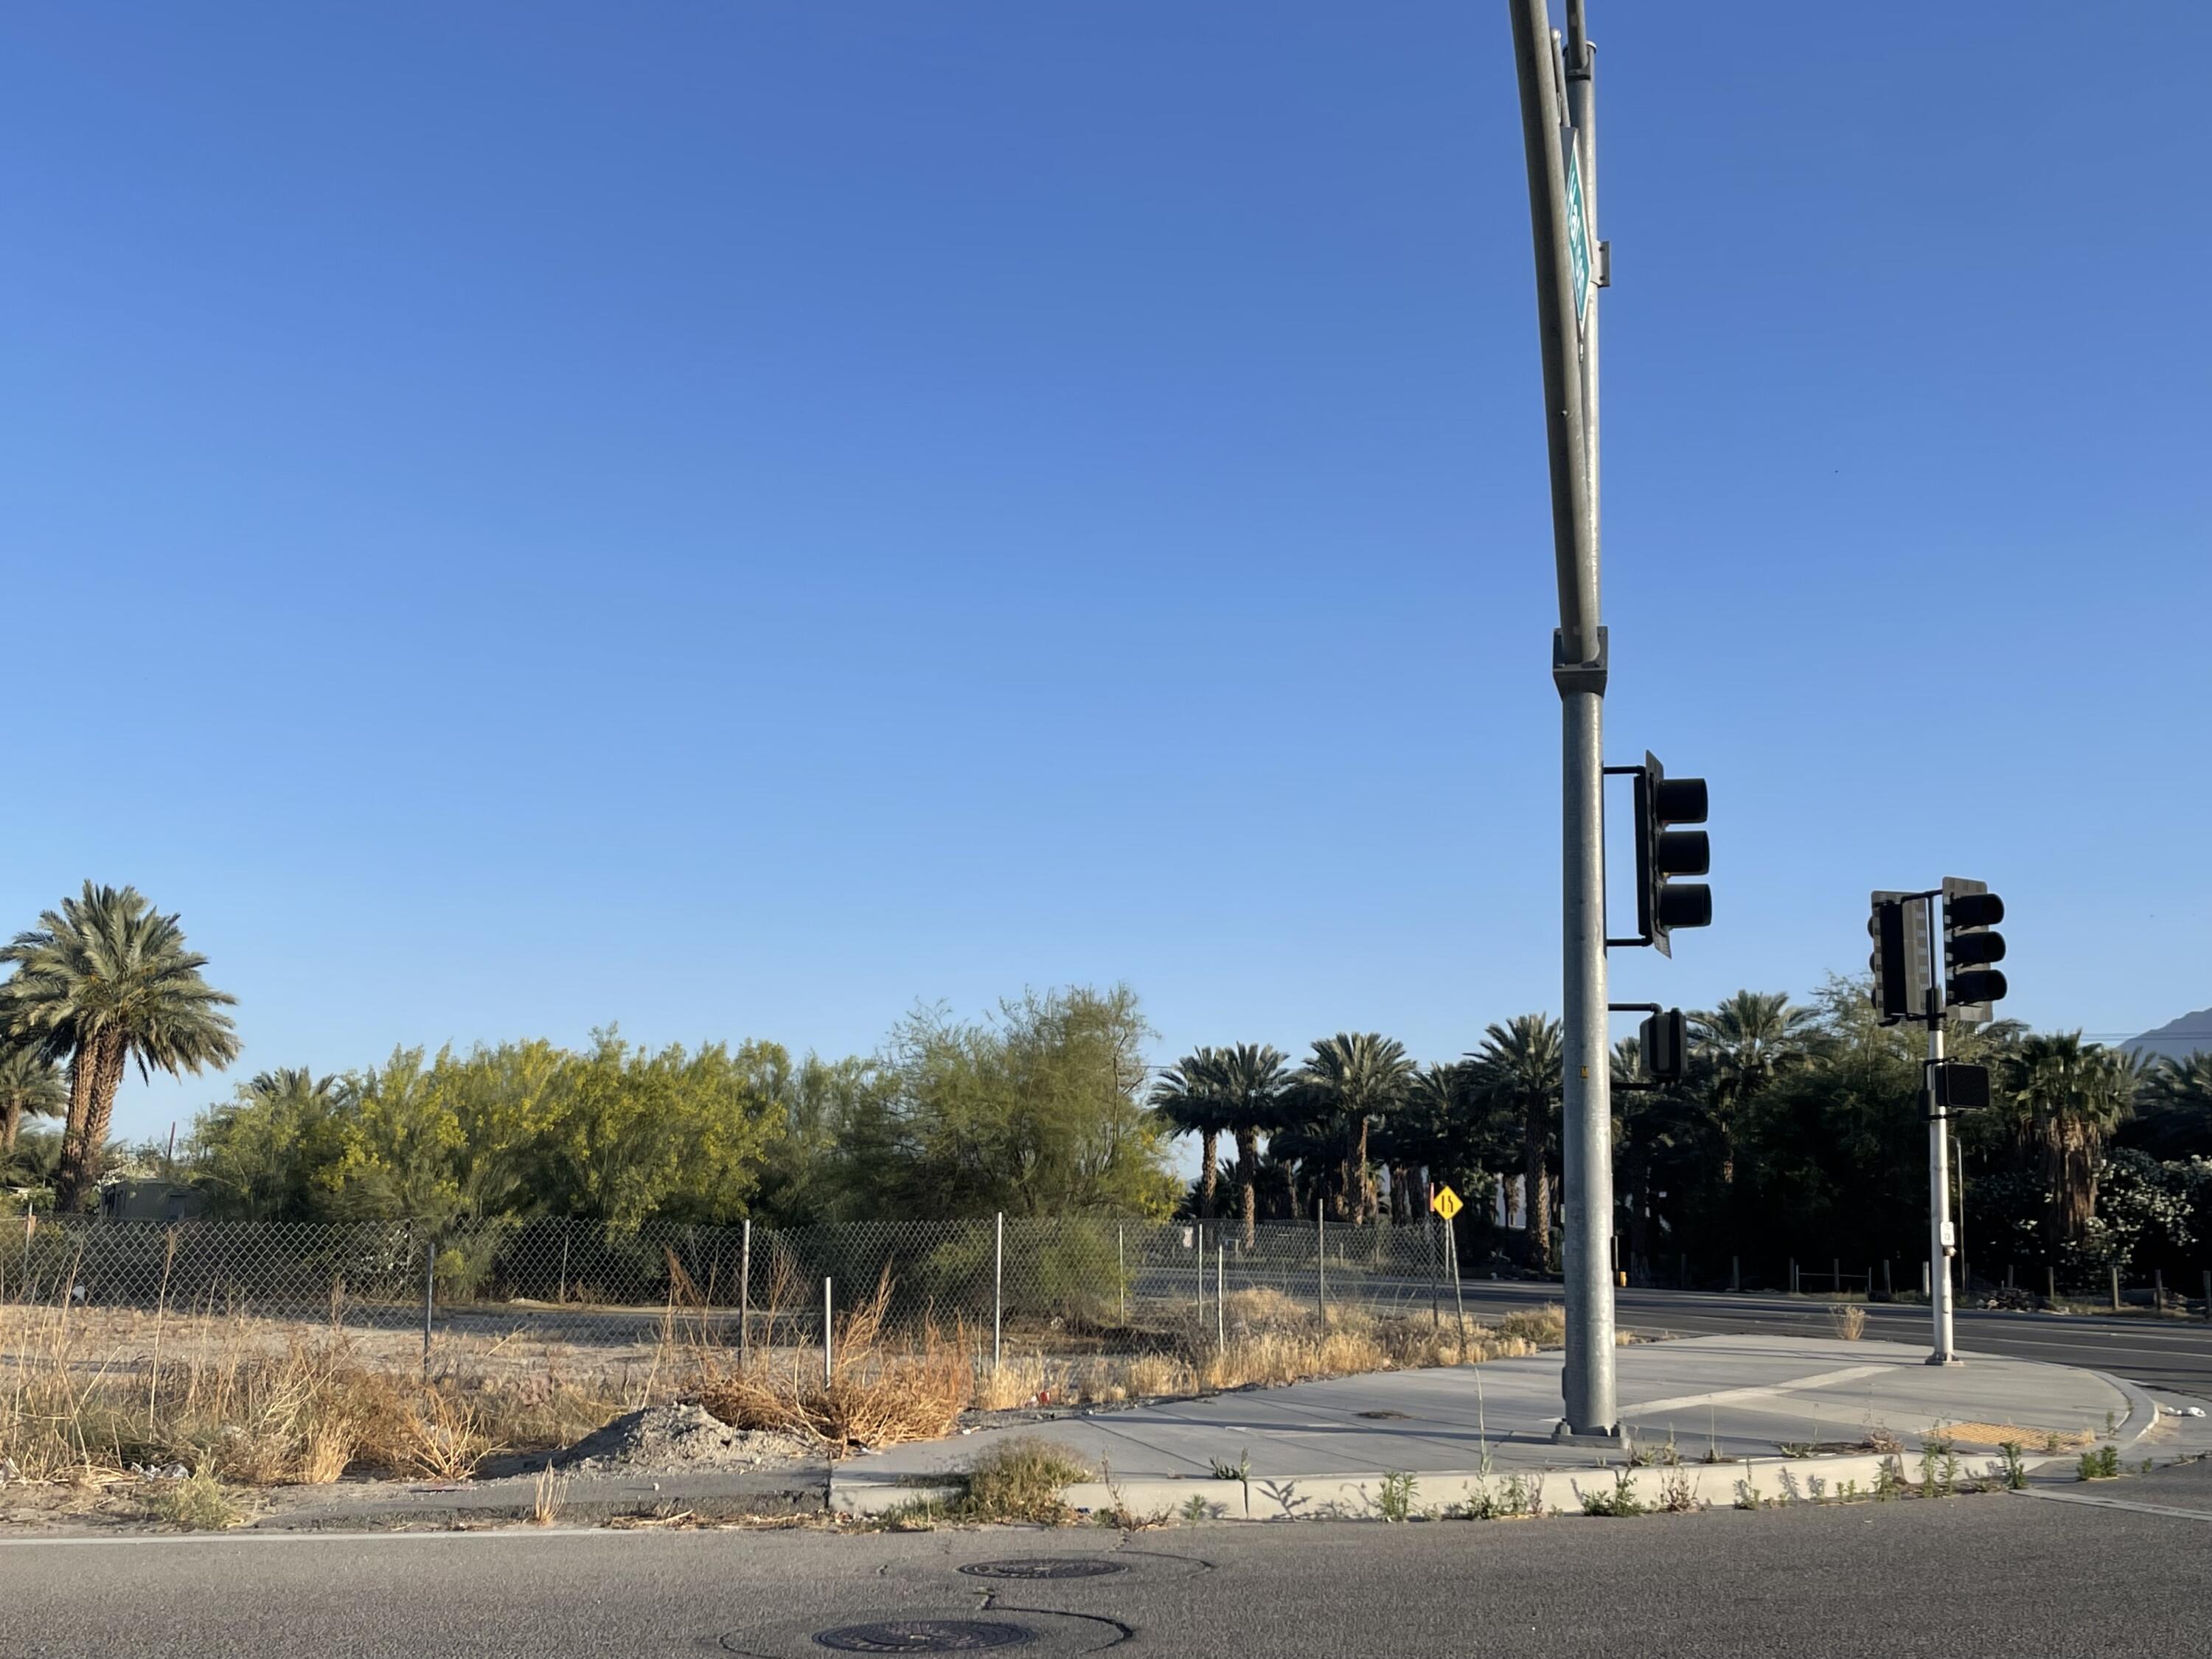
(733, 518)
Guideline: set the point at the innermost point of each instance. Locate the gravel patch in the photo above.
(682, 1436)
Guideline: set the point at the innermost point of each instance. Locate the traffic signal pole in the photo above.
(1940, 1240)
(1566, 310)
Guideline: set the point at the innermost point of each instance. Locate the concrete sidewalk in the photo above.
(1712, 1411)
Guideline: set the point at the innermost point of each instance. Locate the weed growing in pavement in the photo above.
(195, 1503)
(1195, 1508)
(1018, 1479)
(1849, 1320)
(546, 1497)
(1620, 1501)
(1394, 1501)
(1888, 1480)
(2102, 1464)
(1748, 1496)
(1677, 1495)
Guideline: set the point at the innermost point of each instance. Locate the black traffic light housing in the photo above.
(1664, 1037)
(1899, 928)
(1971, 947)
(1662, 853)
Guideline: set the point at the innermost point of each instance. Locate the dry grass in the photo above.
(875, 1395)
(1016, 1479)
(1850, 1319)
(236, 1411)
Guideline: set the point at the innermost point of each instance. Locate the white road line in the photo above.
(2120, 1503)
(1733, 1396)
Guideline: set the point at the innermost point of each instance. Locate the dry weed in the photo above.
(874, 1396)
(1850, 1319)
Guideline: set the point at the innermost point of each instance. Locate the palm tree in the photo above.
(104, 979)
(1250, 1079)
(1750, 1039)
(2176, 1107)
(1356, 1077)
(1523, 1063)
(1189, 1099)
(2070, 1096)
(30, 1087)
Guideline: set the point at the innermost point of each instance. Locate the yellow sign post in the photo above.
(1447, 1203)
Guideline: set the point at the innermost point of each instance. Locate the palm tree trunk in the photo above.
(1537, 1130)
(1248, 1180)
(11, 1116)
(96, 1073)
(1209, 1171)
(1366, 1199)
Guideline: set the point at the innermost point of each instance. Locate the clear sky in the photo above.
(732, 517)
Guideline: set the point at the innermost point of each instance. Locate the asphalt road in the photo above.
(2162, 1354)
(1965, 1578)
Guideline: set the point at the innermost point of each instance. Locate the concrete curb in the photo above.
(1748, 1483)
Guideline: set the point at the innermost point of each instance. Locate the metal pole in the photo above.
(1566, 317)
(828, 1357)
(1220, 1298)
(2116, 1290)
(429, 1299)
(745, 1299)
(1122, 1269)
(565, 1225)
(999, 1295)
(1320, 1257)
(1459, 1302)
(1436, 1316)
(1940, 1240)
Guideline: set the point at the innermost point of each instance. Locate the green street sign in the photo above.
(1579, 235)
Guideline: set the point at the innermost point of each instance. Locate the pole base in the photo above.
(1943, 1359)
(1612, 1439)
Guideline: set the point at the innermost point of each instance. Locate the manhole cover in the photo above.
(926, 1636)
(1045, 1566)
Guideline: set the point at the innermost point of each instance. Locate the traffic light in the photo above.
(1665, 1043)
(1971, 947)
(1960, 1087)
(1663, 853)
(1899, 928)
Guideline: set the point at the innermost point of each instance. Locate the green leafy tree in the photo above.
(1522, 1065)
(1036, 1112)
(30, 1087)
(1353, 1079)
(104, 980)
(264, 1154)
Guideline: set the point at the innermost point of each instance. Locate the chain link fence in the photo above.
(1107, 1285)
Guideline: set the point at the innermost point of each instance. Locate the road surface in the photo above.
(1967, 1579)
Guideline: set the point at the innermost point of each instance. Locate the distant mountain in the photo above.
(2176, 1039)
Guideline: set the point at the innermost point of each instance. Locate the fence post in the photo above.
(1836, 1274)
(745, 1299)
(2208, 1292)
(1220, 1298)
(1122, 1269)
(1459, 1302)
(2158, 1290)
(828, 1357)
(1320, 1257)
(999, 1295)
(429, 1298)
(1888, 1288)
(2116, 1289)
(1793, 1275)
(562, 1295)
(1927, 1283)
(1735, 1272)
(2051, 1285)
